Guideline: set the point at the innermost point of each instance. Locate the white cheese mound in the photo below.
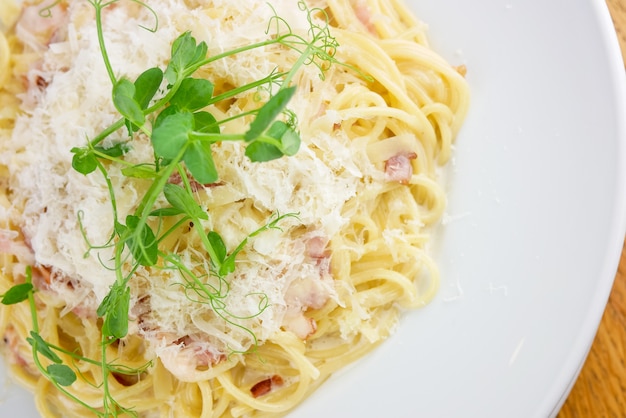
(76, 105)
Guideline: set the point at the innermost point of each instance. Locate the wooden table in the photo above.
(600, 390)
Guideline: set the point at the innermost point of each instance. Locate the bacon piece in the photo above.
(183, 357)
(47, 279)
(39, 28)
(307, 293)
(362, 13)
(303, 327)
(12, 341)
(316, 247)
(139, 312)
(42, 277)
(398, 168)
(12, 243)
(194, 352)
(265, 386)
(84, 311)
(203, 355)
(312, 290)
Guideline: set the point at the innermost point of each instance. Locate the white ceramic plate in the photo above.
(536, 223)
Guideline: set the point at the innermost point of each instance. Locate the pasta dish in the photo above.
(208, 207)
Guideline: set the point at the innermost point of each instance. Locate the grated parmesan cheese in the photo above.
(52, 199)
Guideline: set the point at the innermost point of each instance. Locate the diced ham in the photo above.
(84, 311)
(47, 279)
(399, 169)
(11, 243)
(302, 326)
(311, 291)
(307, 293)
(184, 356)
(265, 386)
(203, 354)
(192, 350)
(41, 277)
(12, 341)
(316, 247)
(39, 27)
(364, 15)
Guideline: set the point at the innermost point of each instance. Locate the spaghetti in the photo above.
(320, 290)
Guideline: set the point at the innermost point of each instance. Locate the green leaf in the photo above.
(168, 111)
(142, 243)
(217, 243)
(141, 171)
(125, 102)
(115, 151)
(17, 294)
(166, 212)
(228, 265)
(193, 94)
(268, 112)
(262, 151)
(185, 54)
(288, 137)
(84, 161)
(130, 127)
(172, 134)
(288, 143)
(120, 229)
(180, 199)
(199, 161)
(61, 374)
(115, 324)
(146, 86)
(204, 122)
(42, 347)
(102, 308)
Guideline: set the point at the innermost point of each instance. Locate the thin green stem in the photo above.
(173, 228)
(214, 138)
(187, 273)
(294, 69)
(189, 71)
(105, 372)
(31, 301)
(106, 132)
(153, 192)
(235, 91)
(107, 62)
(110, 189)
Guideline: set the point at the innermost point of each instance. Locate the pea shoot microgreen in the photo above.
(182, 133)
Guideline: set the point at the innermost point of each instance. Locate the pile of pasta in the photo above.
(381, 126)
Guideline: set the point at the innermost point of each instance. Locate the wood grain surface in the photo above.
(600, 390)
